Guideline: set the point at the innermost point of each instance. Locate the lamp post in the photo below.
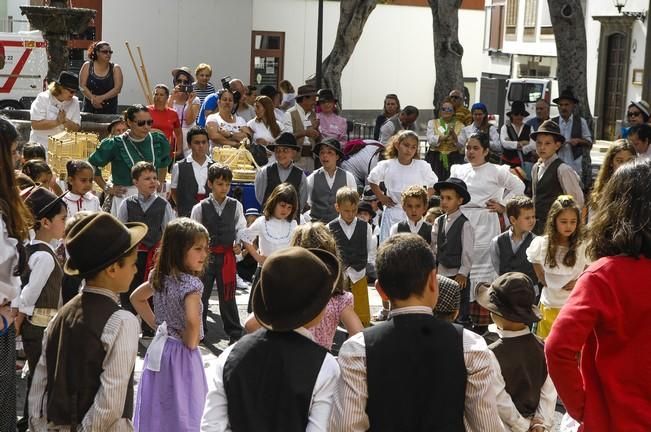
(319, 45)
(619, 4)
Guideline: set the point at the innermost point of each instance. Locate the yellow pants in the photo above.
(544, 326)
(360, 301)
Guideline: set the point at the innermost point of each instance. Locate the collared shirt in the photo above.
(569, 179)
(349, 410)
(513, 145)
(215, 416)
(200, 172)
(332, 126)
(120, 340)
(467, 244)
(495, 250)
(145, 203)
(495, 143)
(42, 265)
(388, 129)
(565, 151)
(76, 203)
(306, 117)
(371, 246)
(330, 180)
(240, 221)
(283, 174)
(47, 107)
(413, 227)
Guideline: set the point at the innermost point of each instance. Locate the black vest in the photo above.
(323, 197)
(187, 189)
(515, 262)
(522, 360)
(416, 375)
(153, 218)
(577, 132)
(273, 180)
(354, 252)
(269, 378)
(221, 228)
(545, 191)
(75, 354)
(425, 230)
(51, 292)
(449, 246)
(512, 157)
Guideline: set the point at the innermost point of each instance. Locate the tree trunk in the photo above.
(352, 17)
(447, 49)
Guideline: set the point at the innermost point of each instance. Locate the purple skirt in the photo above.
(172, 399)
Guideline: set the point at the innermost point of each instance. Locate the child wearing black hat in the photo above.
(414, 203)
(526, 394)
(84, 377)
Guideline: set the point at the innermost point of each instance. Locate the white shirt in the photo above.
(42, 265)
(398, 177)
(487, 181)
(168, 216)
(230, 127)
(215, 415)
(494, 137)
(181, 108)
(272, 234)
(565, 151)
(305, 117)
(513, 145)
(240, 221)
(467, 245)
(260, 131)
(567, 177)
(371, 247)
(646, 155)
(77, 203)
(330, 180)
(9, 284)
(413, 227)
(47, 107)
(200, 172)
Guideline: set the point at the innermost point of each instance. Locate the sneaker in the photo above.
(241, 284)
(383, 315)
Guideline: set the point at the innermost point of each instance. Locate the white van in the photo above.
(529, 90)
(22, 77)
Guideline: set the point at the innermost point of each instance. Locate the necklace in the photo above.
(282, 237)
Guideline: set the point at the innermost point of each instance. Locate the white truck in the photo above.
(529, 90)
(24, 69)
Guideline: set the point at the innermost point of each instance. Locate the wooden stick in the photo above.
(146, 92)
(144, 69)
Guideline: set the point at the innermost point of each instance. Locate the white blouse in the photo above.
(231, 127)
(77, 203)
(9, 284)
(488, 181)
(272, 234)
(398, 177)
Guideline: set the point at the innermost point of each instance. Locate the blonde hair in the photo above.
(286, 86)
(55, 88)
(391, 151)
(415, 191)
(347, 195)
(202, 67)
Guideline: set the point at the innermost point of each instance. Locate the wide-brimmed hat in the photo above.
(183, 70)
(99, 240)
(324, 95)
(285, 139)
(449, 295)
(365, 206)
(518, 107)
(566, 94)
(511, 296)
(549, 127)
(68, 80)
(330, 142)
(457, 184)
(306, 90)
(295, 285)
(643, 106)
(40, 200)
(252, 212)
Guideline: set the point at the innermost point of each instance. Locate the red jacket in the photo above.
(607, 319)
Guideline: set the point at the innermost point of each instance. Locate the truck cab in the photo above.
(23, 74)
(529, 90)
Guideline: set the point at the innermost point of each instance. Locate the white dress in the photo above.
(397, 178)
(485, 182)
(272, 234)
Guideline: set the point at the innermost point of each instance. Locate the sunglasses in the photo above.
(141, 123)
(182, 81)
(455, 97)
(447, 109)
(633, 113)
(106, 51)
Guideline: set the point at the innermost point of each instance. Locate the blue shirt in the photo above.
(210, 103)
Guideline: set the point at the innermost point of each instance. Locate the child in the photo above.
(529, 397)
(80, 184)
(414, 204)
(432, 214)
(401, 170)
(84, 379)
(508, 250)
(323, 183)
(356, 247)
(453, 239)
(39, 171)
(560, 179)
(558, 258)
(449, 301)
(223, 217)
(246, 264)
(172, 388)
(32, 150)
(369, 197)
(278, 378)
(289, 95)
(190, 176)
(365, 213)
(149, 208)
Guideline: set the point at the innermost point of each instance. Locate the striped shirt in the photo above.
(202, 93)
(480, 414)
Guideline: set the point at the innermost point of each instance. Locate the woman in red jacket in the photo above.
(607, 318)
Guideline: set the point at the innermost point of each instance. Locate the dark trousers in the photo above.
(138, 279)
(464, 305)
(32, 345)
(227, 309)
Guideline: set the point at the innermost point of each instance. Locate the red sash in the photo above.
(198, 197)
(229, 270)
(151, 255)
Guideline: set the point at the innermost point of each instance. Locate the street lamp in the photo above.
(619, 4)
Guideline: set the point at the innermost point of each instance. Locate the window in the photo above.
(530, 13)
(511, 16)
(525, 92)
(545, 20)
(494, 33)
(267, 58)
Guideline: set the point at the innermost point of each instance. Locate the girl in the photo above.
(480, 124)
(289, 95)
(80, 183)
(442, 133)
(264, 129)
(39, 171)
(173, 386)
(558, 258)
(402, 168)
(391, 108)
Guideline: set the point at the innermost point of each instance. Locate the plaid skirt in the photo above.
(479, 315)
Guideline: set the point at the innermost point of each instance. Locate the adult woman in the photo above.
(331, 124)
(605, 321)
(490, 186)
(224, 127)
(138, 143)
(480, 124)
(166, 120)
(637, 113)
(186, 104)
(202, 86)
(514, 137)
(101, 80)
(391, 108)
(444, 150)
(15, 221)
(264, 128)
(55, 109)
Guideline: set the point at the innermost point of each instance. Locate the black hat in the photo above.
(324, 95)
(295, 285)
(566, 94)
(113, 123)
(68, 80)
(40, 200)
(365, 206)
(285, 139)
(511, 296)
(115, 238)
(549, 127)
(368, 194)
(457, 184)
(269, 91)
(518, 107)
(306, 90)
(449, 295)
(330, 142)
(183, 70)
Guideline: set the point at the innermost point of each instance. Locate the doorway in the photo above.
(267, 58)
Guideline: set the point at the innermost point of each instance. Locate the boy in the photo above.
(365, 212)
(529, 399)
(508, 250)
(413, 372)
(369, 197)
(84, 378)
(285, 149)
(278, 378)
(223, 217)
(550, 176)
(190, 176)
(323, 184)
(356, 246)
(453, 239)
(449, 301)
(149, 208)
(414, 203)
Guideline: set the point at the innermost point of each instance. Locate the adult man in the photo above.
(542, 114)
(461, 112)
(578, 140)
(244, 110)
(301, 121)
(405, 119)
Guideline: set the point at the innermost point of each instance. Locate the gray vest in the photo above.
(449, 246)
(425, 230)
(545, 191)
(220, 228)
(353, 251)
(153, 218)
(515, 262)
(323, 197)
(187, 189)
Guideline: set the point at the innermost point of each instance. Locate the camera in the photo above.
(226, 82)
(186, 88)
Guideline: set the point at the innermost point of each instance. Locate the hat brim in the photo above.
(176, 72)
(533, 135)
(327, 99)
(272, 147)
(317, 149)
(483, 298)
(307, 94)
(524, 113)
(641, 107)
(461, 191)
(305, 313)
(25, 194)
(137, 231)
(560, 98)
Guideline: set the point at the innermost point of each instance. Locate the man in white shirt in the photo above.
(301, 121)
(406, 119)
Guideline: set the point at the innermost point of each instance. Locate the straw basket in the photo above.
(239, 160)
(66, 146)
